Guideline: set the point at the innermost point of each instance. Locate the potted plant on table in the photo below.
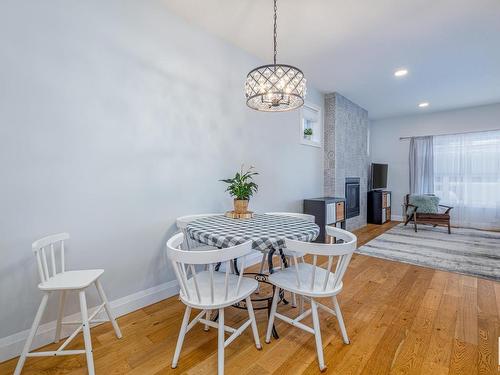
(242, 187)
(308, 132)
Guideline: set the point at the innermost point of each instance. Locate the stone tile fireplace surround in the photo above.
(346, 151)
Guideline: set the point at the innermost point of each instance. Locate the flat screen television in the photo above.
(379, 176)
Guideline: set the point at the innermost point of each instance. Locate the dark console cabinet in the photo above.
(327, 211)
(379, 206)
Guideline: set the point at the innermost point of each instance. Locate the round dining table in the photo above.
(266, 231)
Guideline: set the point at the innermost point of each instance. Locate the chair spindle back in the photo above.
(188, 259)
(51, 244)
(342, 251)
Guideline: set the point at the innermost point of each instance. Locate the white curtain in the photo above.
(421, 161)
(467, 177)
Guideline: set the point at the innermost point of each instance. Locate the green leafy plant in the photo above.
(308, 131)
(241, 186)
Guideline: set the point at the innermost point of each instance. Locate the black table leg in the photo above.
(261, 278)
(235, 264)
(283, 259)
(270, 265)
(270, 260)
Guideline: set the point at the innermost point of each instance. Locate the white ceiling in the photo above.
(450, 47)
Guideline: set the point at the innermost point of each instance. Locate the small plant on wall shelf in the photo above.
(308, 132)
(241, 187)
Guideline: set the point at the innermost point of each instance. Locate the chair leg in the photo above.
(251, 315)
(29, 340)
(294, 297)
(449, 228)
(340, 319)
(60, 315)
(220, 341)
(207, 317)
(415, 221)
(271, 315)
(301, 305)
(180, 339)
(86, 333)
(107, 307)
(317, 335)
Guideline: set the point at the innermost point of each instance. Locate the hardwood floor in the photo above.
(401, 319)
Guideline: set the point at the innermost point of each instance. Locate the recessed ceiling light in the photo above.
(400, 73)
(423, 104)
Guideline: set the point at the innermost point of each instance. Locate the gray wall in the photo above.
(385, 146)
(346, 150)
(115, 118)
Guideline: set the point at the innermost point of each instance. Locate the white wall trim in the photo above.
(11, 346)
(397, 218)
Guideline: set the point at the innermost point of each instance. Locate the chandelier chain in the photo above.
(275, 32)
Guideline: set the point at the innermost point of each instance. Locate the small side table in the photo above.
(327, 211)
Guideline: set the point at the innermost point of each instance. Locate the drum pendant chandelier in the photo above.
(275, 87)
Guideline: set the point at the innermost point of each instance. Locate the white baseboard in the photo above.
(11, 346)
(397, 218)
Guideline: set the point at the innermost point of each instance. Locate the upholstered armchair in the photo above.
(410, 211)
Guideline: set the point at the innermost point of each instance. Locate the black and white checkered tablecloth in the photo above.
(266, 231)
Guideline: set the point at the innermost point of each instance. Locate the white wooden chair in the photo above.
(190, 244)
(208, 290)
(182, 223)
(313, 281)
(65, 281)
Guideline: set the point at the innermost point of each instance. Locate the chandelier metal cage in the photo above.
(275, 87)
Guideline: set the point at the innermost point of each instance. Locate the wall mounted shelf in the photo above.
(311, 118)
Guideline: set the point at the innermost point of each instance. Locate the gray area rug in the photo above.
(467, 251)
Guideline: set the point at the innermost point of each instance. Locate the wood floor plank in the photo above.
(349, 359)
(488, 326)
(404, 310)
(438, 354)
(411, 353)
(467, 327)
(401, 319)
(463, 358)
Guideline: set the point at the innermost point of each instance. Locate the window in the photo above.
(467, 177)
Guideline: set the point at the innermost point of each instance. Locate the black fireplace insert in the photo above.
(352, 196)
